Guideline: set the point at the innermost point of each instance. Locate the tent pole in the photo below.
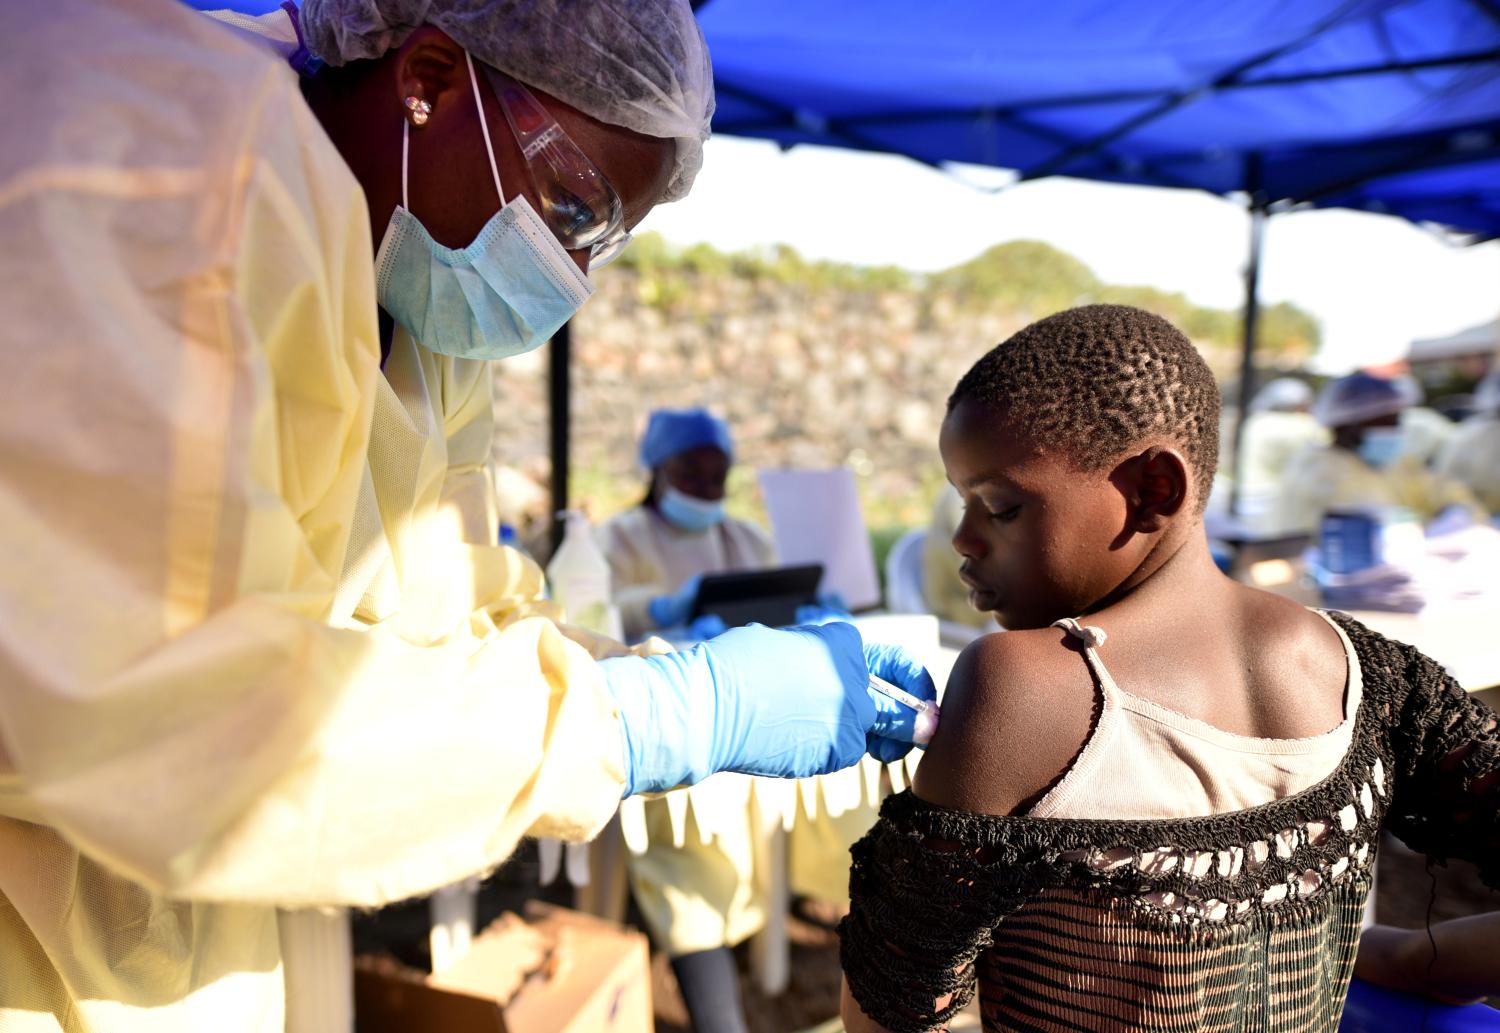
(559, 392)
(1247, 344)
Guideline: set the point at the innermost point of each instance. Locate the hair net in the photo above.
(1487, 394)
(641, 64)
(1284, 394)
(670, 431)
(1362, 396)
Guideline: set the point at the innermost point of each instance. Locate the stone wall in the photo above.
(808, 377)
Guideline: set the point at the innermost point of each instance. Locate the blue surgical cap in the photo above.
(1362, 396)
(672, 431)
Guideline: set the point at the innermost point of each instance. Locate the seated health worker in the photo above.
(1367, 464)
(660, 549)
(698, 894)
(1472, 455)
(1152, 804)
(1279, 426)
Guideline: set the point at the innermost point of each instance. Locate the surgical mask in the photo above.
(1381, 446)
(689, 513)
(505, 294)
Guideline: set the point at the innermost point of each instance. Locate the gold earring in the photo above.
(418, 110)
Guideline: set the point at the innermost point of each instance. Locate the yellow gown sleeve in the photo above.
(1427, 492)
(186, 446)
(635, 574)
(1472, 457)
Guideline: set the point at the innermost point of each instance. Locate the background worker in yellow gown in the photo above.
(1280, 425)
(260, 650)
(698, 896)
(1365, 465)
(1472, 455)
(659, 549)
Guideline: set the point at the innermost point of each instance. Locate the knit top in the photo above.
(1246, 920)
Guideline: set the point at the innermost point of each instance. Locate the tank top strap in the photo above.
(1079, 774)
(1091, 638)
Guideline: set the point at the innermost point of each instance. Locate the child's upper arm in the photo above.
(1018, 708)
(927, 888)
(1446, 800)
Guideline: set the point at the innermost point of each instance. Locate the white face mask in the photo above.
(504, 294)
(690, 513)
(1381, 446)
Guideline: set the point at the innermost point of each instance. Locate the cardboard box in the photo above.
(558, 971)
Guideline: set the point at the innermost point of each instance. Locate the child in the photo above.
(1153, 803)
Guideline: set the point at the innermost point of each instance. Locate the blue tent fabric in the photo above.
(1373, 1009)
(1465, 195)
(1384, 105)
(1289, 101)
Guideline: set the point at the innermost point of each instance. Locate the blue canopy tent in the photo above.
(1461, 195)
(1383, 105)
(1286, 101)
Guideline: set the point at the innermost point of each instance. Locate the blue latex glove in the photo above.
(672, 609)
(835, 602)
(708, 626)
(891, 739)
(789, 703)
(829, 607)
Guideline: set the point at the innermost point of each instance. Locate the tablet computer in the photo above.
(769, 596)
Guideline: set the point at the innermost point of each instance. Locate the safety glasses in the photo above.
(578, 205)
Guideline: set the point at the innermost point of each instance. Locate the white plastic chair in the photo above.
(904, 588)
(903, 573)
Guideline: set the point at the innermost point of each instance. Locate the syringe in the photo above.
(927, 711)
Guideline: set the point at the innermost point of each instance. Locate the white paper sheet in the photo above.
(815, 518)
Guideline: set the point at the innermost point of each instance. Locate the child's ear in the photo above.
(1157, 483)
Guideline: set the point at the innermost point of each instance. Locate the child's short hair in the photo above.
(1091, 382)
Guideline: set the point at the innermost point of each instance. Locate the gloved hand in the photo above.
(829, 607)
(789, 703)
(708, 626)
(896, 721)
(672, 609)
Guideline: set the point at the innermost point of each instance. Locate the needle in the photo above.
(927, 711)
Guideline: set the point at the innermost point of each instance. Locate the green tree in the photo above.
(1287, 332)
(1022, 274)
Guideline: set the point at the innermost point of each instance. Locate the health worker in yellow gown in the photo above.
(698, 893)
(1366, 465)
(261, 651)
(1472, 455)
(659, 549)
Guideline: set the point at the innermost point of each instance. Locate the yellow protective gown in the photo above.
(1271, 440)
(694, 876)
(1325, 477)
(648, 557)
(1472, 456)
(248, 659)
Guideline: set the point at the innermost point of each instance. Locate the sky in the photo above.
(1374, 282)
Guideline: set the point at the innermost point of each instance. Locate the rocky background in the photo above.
(814, 364)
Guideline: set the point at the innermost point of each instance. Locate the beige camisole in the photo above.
(1145, 761)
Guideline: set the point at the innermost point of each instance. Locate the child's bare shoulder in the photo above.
(1299, 663)
(1018, 708)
